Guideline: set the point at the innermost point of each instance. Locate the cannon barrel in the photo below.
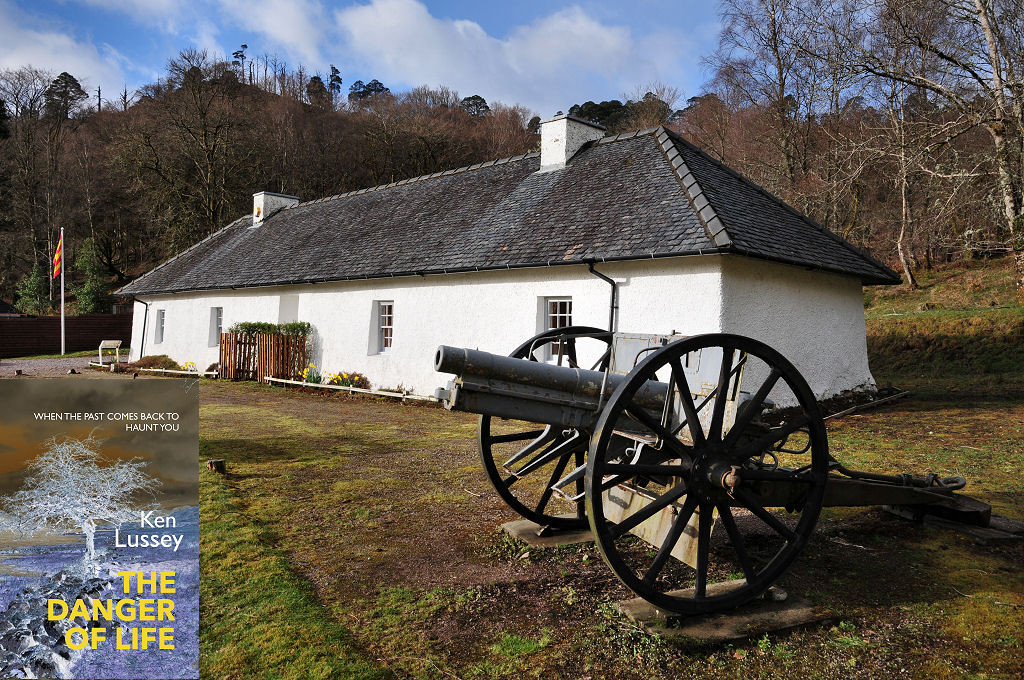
(507, 387)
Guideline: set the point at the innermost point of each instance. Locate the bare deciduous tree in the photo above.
(67, 489)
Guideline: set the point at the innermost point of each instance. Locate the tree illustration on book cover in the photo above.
(99, 541)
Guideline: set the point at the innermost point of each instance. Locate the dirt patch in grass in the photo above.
(384, 510)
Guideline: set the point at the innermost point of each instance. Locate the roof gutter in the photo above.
(442, 271)
(732, 250)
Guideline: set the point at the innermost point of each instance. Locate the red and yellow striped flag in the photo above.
(58, 257)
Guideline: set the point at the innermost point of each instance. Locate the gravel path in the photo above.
(43, 367)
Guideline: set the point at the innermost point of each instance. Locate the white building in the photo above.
(489, 255)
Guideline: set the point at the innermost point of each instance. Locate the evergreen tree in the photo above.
(334, 84)
(317, 93)
(475, 106)
(33, 292)
(92, 295)
(360, 90)
(63, 96)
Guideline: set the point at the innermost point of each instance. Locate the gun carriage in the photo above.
(674, 451)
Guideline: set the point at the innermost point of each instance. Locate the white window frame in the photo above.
(216, 325)
(385, 318)
(158, 327)
(557, 314)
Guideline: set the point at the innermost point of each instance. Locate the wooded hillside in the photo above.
(897, 124)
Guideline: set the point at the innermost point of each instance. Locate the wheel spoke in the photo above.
(555, 474)
(515, 476)
(704, 521)
(768, 518)
(563, 448)
(736, 538)
(614, 481)
(580, 491)
(649, 510)
(548, 435)
(657, 428)
(718, 411)
(601, 359)
(752, 408)
(632, 470)
(678, 526)
(692, 420)
(516, 437)
(571, 353)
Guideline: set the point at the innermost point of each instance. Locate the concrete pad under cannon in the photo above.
(766, 614)
(534, 535)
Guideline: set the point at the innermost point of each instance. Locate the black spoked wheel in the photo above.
(664, 472)
(525, 460)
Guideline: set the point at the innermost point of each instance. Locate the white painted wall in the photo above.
(496, 311)
(561, 137)
(814, 319)
(493, 311)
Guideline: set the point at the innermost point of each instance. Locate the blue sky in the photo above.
(543, 55)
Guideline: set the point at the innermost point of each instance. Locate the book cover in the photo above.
(99, 536)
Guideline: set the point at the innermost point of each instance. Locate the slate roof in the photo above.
(631, 196)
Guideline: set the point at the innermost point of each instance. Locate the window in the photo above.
(158, 327)
(558, 314)
(288, 308)
(385, 325)
(216, 325)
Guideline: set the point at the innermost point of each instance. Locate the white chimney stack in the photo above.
(266, 203)
(562, 136)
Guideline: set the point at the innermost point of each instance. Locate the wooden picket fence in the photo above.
(255, 356)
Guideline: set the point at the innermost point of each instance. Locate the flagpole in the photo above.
(62, 291)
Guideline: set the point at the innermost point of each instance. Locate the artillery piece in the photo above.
(659, 442)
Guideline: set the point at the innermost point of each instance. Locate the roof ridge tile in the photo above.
(706, 213)
(786, 206)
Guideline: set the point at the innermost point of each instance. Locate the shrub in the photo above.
(157, 361)
(298, 329)
(253, 327)
(347, 379)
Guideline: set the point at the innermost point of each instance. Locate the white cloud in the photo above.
(21, 44)
(558, 60)
(295, 26)
(165, 14)
(204, 36)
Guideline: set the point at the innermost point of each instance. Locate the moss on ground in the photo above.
(260, 619)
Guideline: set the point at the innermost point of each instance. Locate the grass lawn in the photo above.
(358, 537)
